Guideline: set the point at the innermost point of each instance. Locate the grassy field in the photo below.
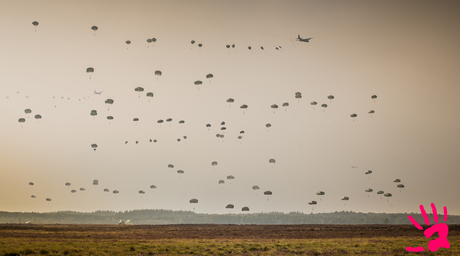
(16, 239)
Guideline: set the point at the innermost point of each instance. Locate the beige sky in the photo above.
(404, 52)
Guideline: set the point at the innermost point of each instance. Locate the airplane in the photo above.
(99, 93)
(303, 39)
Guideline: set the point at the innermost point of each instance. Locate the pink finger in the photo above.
(415, 222)
(425, 217)
(445, 213)
(435, 213)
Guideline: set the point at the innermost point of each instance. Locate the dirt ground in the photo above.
(212, 231)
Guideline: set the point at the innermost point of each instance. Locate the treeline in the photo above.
(188, 217)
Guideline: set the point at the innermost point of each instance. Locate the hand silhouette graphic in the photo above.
(441, 228)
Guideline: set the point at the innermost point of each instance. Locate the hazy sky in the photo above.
(405, 52)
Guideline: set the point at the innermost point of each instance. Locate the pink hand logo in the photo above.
(441, 228)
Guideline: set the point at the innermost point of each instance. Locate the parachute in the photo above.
(380, 192)
(396, 180)
(35, 23)
(160, 121)
(374, 97)
(139, 89)
(298, 96)
(94, 28)
(368, 172)
(180, 171)
(150, 94)
(371, 112)
(221, 182)
(128, 42)
(353, 115)
(109, 101)
(324, 105)
(369, 190)
(21, 120)
(169, 120)
(285, 104)
(33, 196)
(268, 125)
(93, 113)
(320, 193)
(209, 76)
(38, 117)
(268, 193)
(312, 202)
(109, 117)
(141, 192)
(192, 42)
(31, 183)
(82, 189)
(73, 191)
(255, 187)
(106, 190)
(193, 201)
(170, 166)
(158, 73)
(90, 70)
(331, 97)
(116, 192)
(387, 194)
(245, 209)
(67, 184)
(230, 177)
(229, 206)
(313, 103)
(274, 106)
(153, 186)
(94, 146)
(95, 182)
(198, 82)
(48, 199)
(400, 186)
(272, 161)
(181, 121)
(214, 163)
(345, 198)
(27, 111)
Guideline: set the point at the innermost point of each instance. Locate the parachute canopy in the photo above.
(268, 193)
(255, 187)
(272, 161)
(245, 209)
(312, 202)
(108, 101)
(193, 201)
(345, 198)
(320, 193)
(229, 206)
(94, 28)
(396, 180)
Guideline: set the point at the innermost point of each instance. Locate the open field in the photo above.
(204, 239)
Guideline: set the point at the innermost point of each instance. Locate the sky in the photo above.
(405, 52)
